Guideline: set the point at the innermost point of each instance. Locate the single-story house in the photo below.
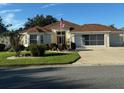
(65, 32)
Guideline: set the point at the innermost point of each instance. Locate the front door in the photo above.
(61, 37)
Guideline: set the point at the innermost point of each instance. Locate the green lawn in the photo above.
(48, 58)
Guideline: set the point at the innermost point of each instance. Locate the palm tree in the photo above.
(15, 38)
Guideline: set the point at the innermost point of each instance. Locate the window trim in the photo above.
(33, 39)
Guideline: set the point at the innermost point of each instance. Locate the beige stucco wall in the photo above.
(53, 37)
(23, 39)
(46, 38)
(68, 36)
(109, 38)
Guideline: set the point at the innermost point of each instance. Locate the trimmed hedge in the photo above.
(37, 50)
(2, 47)
(73, 46)
(53, 46)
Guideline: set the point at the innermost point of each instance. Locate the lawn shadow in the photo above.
(54, 54)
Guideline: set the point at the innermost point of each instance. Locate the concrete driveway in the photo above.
(102, 56)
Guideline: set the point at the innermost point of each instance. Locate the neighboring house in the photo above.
(5, 40)
(87, 35)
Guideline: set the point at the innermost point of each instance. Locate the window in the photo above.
(33, 39)
(63, 33)
(92, 37)
(86, 37)
(58, 33)
(41, 38)
(92, 40)
(97, 39)
(100, 37)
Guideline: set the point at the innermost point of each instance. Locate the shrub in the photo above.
(47, 47)
(37, 50)
(21, 47)
(26, 49)
(73, 46)
(68, 47)
(2, 47)
(53, 46)
(62, 47)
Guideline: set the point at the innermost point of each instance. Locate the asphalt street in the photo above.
(72, 77)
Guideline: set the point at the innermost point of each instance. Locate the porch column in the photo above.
(38, 39)
(28, 39)
(106, 40)
(72, 38)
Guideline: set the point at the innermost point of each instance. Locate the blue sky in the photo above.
(107, 14)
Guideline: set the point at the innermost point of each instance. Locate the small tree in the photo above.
(15, 38)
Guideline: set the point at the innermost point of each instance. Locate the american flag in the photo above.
(62, 25)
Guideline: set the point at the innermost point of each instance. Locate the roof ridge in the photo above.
(95, 24)
(71, 22)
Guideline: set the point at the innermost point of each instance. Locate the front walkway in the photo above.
(102, 56)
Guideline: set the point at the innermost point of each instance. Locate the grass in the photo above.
(48, 58)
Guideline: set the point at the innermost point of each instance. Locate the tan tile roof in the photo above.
(85, 27)
(36, 29)
(68, 25)
(97, 27)
(74, 27)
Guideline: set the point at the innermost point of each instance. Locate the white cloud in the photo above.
(4, 4)
(9, 17)
(48, 5)
(10, 11)
(17, 24)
